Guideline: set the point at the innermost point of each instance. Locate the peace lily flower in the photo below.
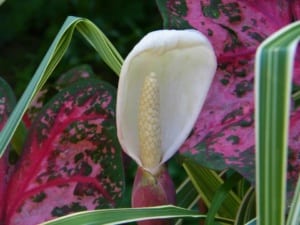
(163, 84)
(162, 87)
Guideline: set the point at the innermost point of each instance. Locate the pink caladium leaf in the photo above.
(7, 102)
(73, 75)
(295, 7)
(233, 27)
(64, 80)
(224, 132)
(72, 160)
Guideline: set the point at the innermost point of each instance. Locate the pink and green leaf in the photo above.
(234, 27)
(224, 133)
(72, 160)
(64, 80)
(73, 75)
(7, 102)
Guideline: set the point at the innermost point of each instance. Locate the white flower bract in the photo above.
(185, 64)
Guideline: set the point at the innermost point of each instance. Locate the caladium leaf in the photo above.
(72, 160)
(7, 102)
(295, 7)
(234, 27)
(64, 80)
(73, 75)
(230, 25)
(224, 133)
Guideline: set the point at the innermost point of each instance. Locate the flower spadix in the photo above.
(162, 87)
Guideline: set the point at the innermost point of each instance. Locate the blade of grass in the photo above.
(186, 194)
(125, 215)
(207, 183)
(252, 222)
(273, 68)
(294, 215)
(247, 208)
(243, 188)
(54, 54)
(187, 197)
(101, 44)
(220, 196)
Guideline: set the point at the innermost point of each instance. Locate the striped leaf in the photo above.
(92, 34)
(121, 216)
(215, 193)
(273, 68)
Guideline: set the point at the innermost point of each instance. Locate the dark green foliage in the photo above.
(28, 27)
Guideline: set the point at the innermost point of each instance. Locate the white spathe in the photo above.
(185, 63)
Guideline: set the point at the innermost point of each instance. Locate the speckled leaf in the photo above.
(7, 101)
(295, 7)
(73, 75)
(224, 133)
(234, 27)
(65, 79)
(72, 160)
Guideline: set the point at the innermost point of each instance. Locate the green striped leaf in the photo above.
(54, 54)
(186, 194)
(125, 215)
(211, 189)
(252, 222)
(247, 208)
(224, 196)
(273, 68)
(294, 215)
(187, 197)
